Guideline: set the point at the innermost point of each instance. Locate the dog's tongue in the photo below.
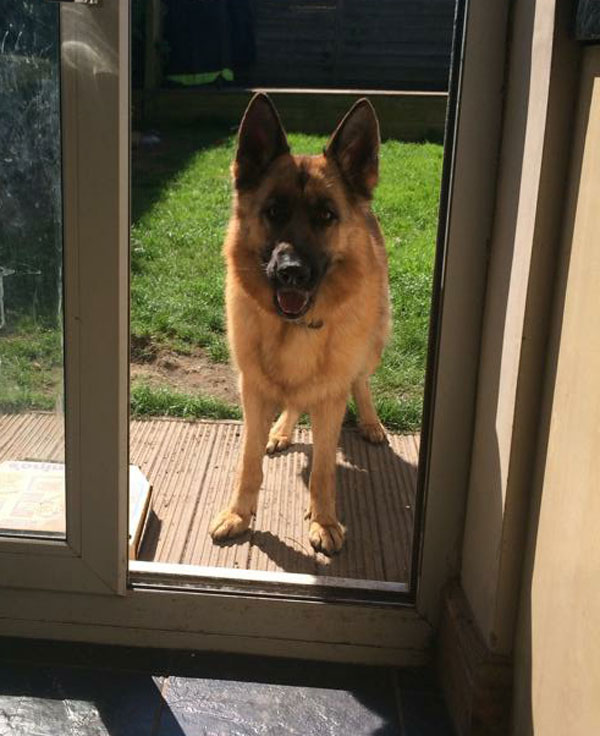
(291, 301)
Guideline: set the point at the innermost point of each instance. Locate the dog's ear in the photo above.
(354, 146)
(261, 139)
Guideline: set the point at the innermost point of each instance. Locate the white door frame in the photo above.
(78, 590)
(95, 148)
(469, 220)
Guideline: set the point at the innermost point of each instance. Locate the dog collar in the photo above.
(312, 325)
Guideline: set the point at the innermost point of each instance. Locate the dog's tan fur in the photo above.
(312, 365)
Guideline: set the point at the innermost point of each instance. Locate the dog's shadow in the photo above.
(360, 476)
(284, 555)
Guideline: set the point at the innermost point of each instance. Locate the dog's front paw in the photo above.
(228, 524)
(326, 538)
(373, 432)
(278, 442)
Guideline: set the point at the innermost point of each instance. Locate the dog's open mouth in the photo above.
(292, 303)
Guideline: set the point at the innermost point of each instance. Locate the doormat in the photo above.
(32, 499)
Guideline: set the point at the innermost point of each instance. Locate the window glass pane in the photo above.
(32, 498)
(193, 66)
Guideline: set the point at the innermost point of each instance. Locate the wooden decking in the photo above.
(191, 466)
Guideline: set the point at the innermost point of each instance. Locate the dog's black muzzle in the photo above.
(291, 272)
(294, 277)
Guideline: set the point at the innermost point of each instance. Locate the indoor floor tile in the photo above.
(53, 689)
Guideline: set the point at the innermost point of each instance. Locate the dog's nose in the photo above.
(291, 272)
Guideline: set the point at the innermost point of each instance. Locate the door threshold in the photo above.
(288, 585)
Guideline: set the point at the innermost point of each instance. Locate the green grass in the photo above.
(192, 80)
(181, 203)
(30, 368)
(406, 204)
(178, 274)
(177, 268)
(149, 401)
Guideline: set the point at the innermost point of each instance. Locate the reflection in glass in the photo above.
(31, 304)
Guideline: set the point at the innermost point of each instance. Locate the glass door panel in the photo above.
(32, 482)
(186, 431)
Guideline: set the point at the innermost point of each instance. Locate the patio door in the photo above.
(63, 264)
(72, 581)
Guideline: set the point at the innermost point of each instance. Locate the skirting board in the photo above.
(477, 684)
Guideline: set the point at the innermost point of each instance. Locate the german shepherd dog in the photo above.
(307, 299)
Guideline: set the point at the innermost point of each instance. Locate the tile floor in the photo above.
(59, 689)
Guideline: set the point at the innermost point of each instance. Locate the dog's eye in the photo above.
(275, 212)
(327, 216)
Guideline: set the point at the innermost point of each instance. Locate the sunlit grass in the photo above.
(30, 367)
(150, 401)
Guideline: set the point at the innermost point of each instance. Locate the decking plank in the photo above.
(280, 537)
(217, 487)
(357, 514)
(162, 472)
(32, 436)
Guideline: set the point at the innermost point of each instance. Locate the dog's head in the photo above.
(296, 215)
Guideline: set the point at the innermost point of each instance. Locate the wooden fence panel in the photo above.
(387, 44)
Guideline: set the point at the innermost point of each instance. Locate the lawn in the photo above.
(30, 366)
(181, 197)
